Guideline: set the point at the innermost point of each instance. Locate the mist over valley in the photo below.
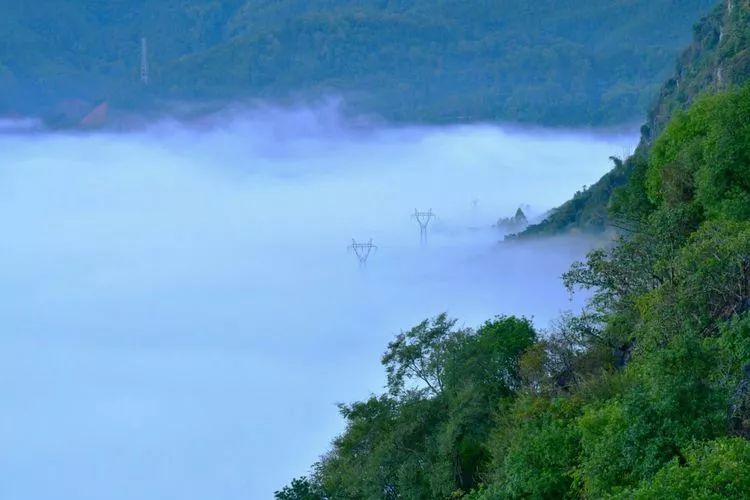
(182, 314)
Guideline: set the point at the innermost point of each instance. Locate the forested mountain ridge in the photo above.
(717, 59)
(53, 50)
(546, 62)
(459, 61)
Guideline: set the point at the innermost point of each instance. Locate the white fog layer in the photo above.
(180, 313)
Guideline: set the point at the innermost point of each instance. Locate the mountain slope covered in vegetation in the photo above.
(645, 394)
(717, 59)
(546, 62)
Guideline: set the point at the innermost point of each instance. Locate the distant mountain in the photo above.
(557, 62)
(717, 59)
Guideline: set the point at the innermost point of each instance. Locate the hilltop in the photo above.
(546, 62)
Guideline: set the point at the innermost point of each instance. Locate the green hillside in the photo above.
(645, 394)
(560, 62)
(717, 59)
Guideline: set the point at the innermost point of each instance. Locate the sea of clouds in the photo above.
(180, 313)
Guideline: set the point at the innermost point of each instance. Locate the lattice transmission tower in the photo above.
(423, 219)
(363, 251)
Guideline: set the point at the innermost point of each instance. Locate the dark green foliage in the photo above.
(54, 50)
(490, 356)
(421, 355)
(718, 59)
(300, 489)
(715, 274)
(429, 437)
(646, 394)
(629, 203)
(535, 449)
(735, 340)
(715, 470)
(670, 404)
(703, 157)
(552, 62)
(386, 449)
(587, 211)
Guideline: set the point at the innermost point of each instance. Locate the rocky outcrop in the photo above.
(518, 222)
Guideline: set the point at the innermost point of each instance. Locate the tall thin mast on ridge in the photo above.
(144, 61)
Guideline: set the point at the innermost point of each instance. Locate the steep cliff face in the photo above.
(717, 59)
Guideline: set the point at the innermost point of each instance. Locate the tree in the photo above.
(300, 489)
(535, 448)
(420, 355)
(712, 470)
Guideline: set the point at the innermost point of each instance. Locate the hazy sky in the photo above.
(180, 312)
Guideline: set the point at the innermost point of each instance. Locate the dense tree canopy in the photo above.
(560, 62)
